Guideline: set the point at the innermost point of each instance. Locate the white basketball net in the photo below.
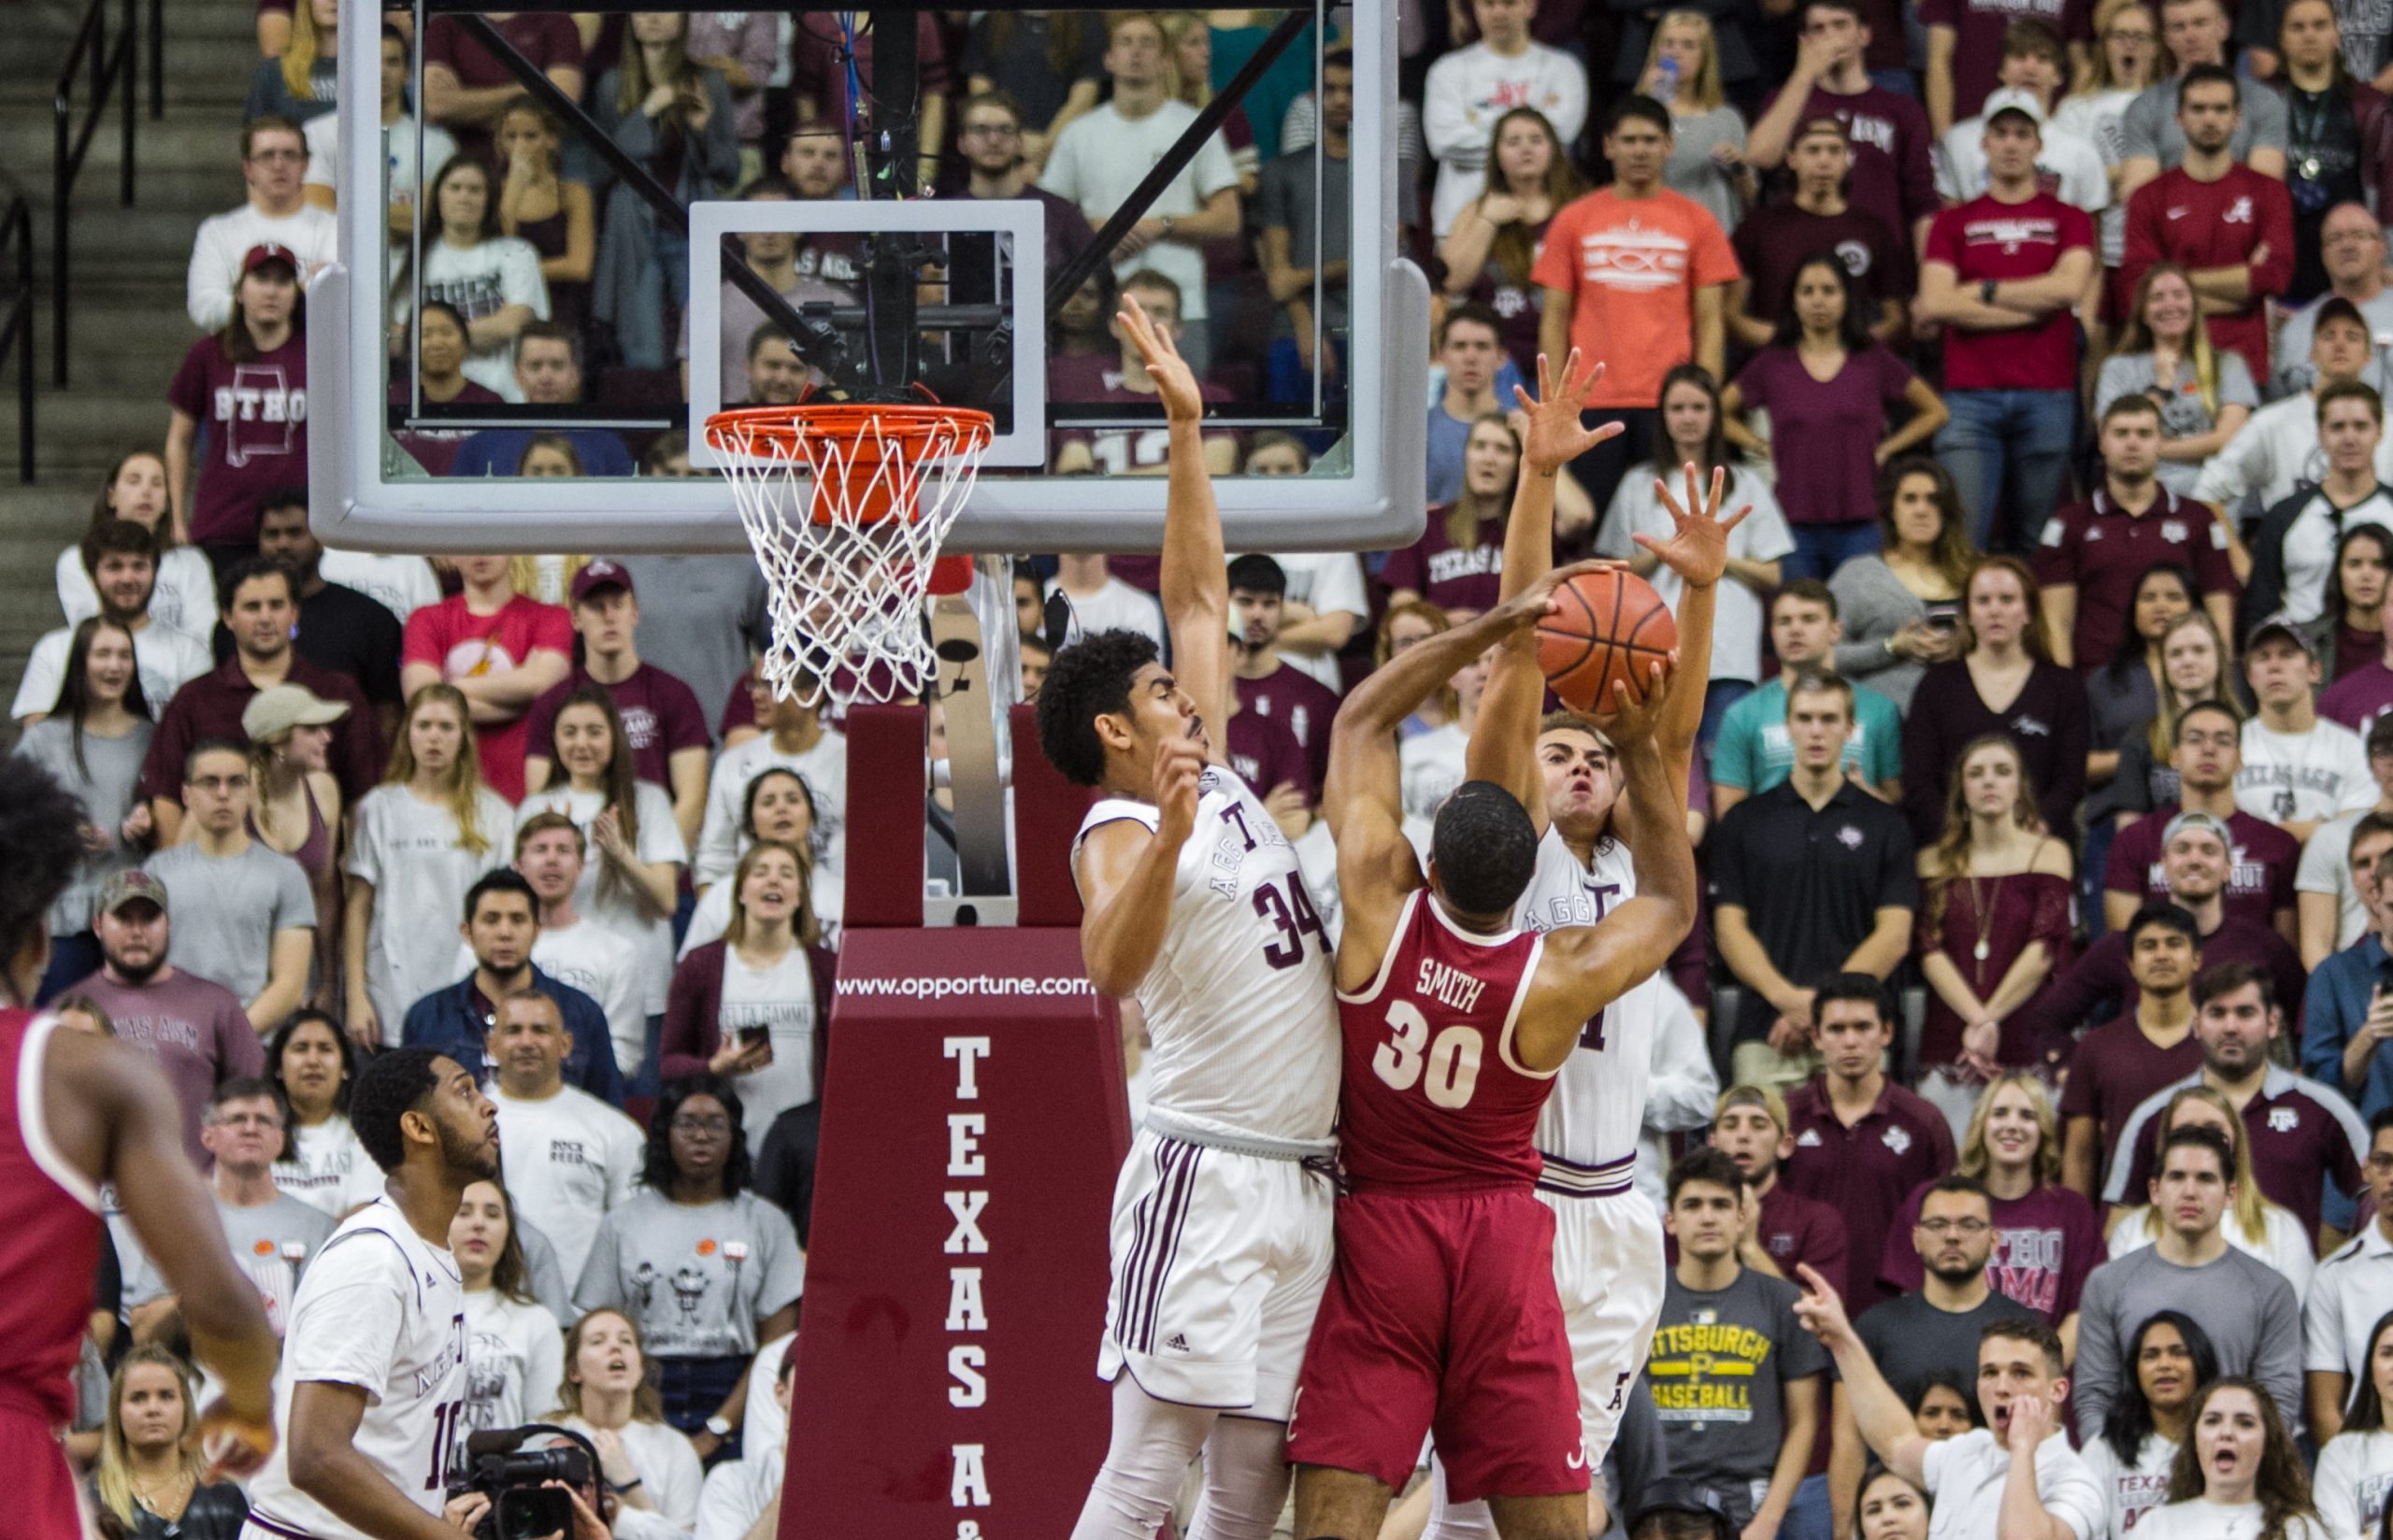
(846, 591)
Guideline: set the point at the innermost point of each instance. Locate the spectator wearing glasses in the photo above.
(274, 159)
(2245, 1307)
(2207, 759)
(1000, 161)
(2351, 251)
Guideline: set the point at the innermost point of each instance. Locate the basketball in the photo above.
(1612, 625)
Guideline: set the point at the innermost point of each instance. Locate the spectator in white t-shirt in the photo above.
(794, 738)
(323, 1164)
(420, 840)
(609, 1397)
(2145, 1425)
(777, 805)
(1977, 1493)
(491, 280)
(400, 162)
(2355, 1473)
(2034, 65)
(120, 565)
(1102, 602)
(2300, 770)
(273, 157)
(2349, 1296)
(552, 852)
(1102, 156)
(184, 598)
(515, 1352)
(742, 1498)
(1469, 88)
(2239, 1475)
(570, 1158)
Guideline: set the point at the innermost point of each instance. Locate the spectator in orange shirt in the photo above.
(1636, 275)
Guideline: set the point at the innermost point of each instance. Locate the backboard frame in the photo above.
(355, 504)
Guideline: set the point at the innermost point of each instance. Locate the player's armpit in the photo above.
(1585, 968)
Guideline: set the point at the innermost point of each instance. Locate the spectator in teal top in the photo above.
(1752, 753)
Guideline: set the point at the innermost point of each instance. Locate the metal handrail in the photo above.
(17, 325)
(112, 66)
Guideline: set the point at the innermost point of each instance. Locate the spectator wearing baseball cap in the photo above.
(248, 383)
(1750, 1125)
(1772, 241)
(2034, 66)
(663, 724)
(193, 1026)
(2299, 771)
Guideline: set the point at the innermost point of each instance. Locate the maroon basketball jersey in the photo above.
(49, 1235)
(1433, 1096)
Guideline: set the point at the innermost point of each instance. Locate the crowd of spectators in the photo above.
(2045, 790)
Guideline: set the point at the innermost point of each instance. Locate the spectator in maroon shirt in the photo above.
(1894, 177)
(1965, 48)
(1771, 240)
(2362, 689)
(2048, 1237)
(1750, 1125)
(2301, 1131)
(2260, 883)
(663, 724)
(1266, 684)
(466, 88)
(2120, 1063)
(1458, 562)
(1862, 1142)
(260, 610)
(2196, 857)
(2095, 552)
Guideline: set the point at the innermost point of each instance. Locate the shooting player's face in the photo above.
(1581, 780)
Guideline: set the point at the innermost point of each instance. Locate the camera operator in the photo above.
(468, 1511)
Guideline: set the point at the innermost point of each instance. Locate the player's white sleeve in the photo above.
(345, 1325)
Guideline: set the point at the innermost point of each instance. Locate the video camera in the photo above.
(523, 1505)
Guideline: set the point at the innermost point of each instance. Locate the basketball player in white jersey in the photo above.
(1195, 904)
(1608, 1257)
(373, 1363)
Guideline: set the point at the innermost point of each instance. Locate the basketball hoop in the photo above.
(846, 505)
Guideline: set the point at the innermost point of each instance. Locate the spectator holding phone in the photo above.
(1901, 603)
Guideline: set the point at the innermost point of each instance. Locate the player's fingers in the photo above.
(1596, 436)
(1669, 501)
(1735, 519)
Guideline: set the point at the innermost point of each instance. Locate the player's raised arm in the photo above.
(1503, 741)
(1363, 797)
(1196, 568)
(1586, 967)
(1698, 551)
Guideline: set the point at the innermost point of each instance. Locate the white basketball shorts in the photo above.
(1219, 1262)
(1609, 1270)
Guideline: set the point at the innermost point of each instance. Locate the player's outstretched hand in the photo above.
(1553, 436)
(1175, 382)
(1697, 549)
(1820, 1309)
(1179, 763)
(235, 1447)
(1635, 721)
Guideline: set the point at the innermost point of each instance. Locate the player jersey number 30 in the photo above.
(1451, 1060)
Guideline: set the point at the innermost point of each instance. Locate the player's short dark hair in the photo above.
(117, 538)
(1484, 845)
(248, 570)
(2225, 980)
(1637, 105)
(393, 1084)
(1474, 313)
(2199, 1136)
(2031, 1330)
(2209, 75)
(1706, 1164)
(506, 880)
(2169, 917)
(1088, 679)
(40, 828)
(1866, 987)
(1254, 574)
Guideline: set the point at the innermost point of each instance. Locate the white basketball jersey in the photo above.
(1241, 1014)
(1597, 1107)
(382, 1309)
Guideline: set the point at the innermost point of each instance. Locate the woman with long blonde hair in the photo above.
(1708, 135)
(151, 1478)
(2254, 1225)
(1493, 244)
(609, 1397)
(2012, 1145)
(422, 837)
(299, 84)
(2164, 353)
(2196, 668)
(1994, 929)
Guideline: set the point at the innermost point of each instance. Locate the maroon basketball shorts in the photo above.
(1441, 1319)
(41, 1486)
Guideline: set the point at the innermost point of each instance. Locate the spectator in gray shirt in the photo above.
(2196, 33)
(2245, 1307)
(94, 741)
(246, 918)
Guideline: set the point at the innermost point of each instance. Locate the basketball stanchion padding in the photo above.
(973, 1121)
